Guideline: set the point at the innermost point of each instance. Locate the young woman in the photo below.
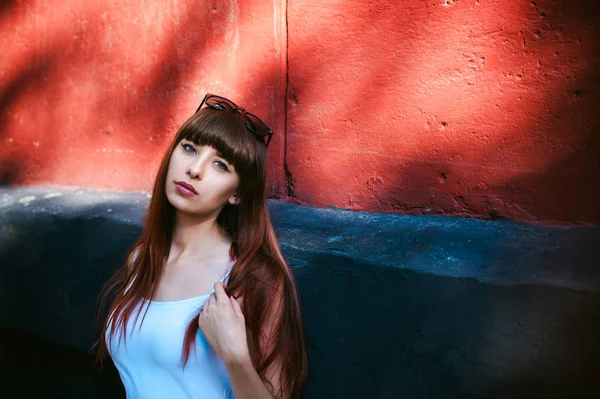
(205, 305)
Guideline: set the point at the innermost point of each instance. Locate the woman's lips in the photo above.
(185, 189)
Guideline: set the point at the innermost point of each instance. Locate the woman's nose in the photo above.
(195, 170)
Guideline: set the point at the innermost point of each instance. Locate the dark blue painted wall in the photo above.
(395, 307)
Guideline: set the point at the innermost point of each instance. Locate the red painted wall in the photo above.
(471, 108)
(91, 92)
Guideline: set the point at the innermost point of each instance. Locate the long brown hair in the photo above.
(260, 273)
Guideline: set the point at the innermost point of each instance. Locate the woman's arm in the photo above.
(245, 382)
(222, 322)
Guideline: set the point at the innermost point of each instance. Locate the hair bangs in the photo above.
(224, 131)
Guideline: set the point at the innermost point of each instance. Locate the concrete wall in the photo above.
(476, 108)
(394, 306)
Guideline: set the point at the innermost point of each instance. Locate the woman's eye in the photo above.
(188, 148)
(221, 165)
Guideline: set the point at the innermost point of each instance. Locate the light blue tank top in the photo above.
(149, 362)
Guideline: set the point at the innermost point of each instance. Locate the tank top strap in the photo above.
(225, 276)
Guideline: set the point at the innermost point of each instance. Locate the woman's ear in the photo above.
(234, 200)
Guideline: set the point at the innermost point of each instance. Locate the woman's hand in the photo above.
(222, 323)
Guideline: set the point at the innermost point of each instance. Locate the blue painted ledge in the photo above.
(394, 306)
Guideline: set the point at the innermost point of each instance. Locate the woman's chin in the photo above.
(185, 206)
(179, 202)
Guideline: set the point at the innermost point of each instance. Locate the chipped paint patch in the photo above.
(26, 200)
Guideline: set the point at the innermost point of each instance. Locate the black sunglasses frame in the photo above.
(250, 120)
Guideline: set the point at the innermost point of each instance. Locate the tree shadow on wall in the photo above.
(436, 180)
(29, 79)
(563, 188)
(5, 6)
(566, 187)
(59, 70)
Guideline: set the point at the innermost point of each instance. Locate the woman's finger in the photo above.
(236, 306)
(208, 303)
(220, 293)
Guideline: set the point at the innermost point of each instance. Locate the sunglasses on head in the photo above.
(253, 123)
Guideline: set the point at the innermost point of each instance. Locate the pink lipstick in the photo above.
(185, 189)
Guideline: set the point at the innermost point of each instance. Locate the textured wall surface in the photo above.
(485, 108)
(476, 108)
(91, 92)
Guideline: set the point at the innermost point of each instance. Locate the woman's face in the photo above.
(199, 180)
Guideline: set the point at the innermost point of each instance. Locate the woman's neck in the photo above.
(194, 237)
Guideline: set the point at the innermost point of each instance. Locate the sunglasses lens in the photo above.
(250, 124)
(256, 125)
(220, 103)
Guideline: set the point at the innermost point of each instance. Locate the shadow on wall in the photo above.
(443, 126)
(101, 102)
(5, 6)
(561, 193)
(567, 126)
(29, 80)
(49, 76)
